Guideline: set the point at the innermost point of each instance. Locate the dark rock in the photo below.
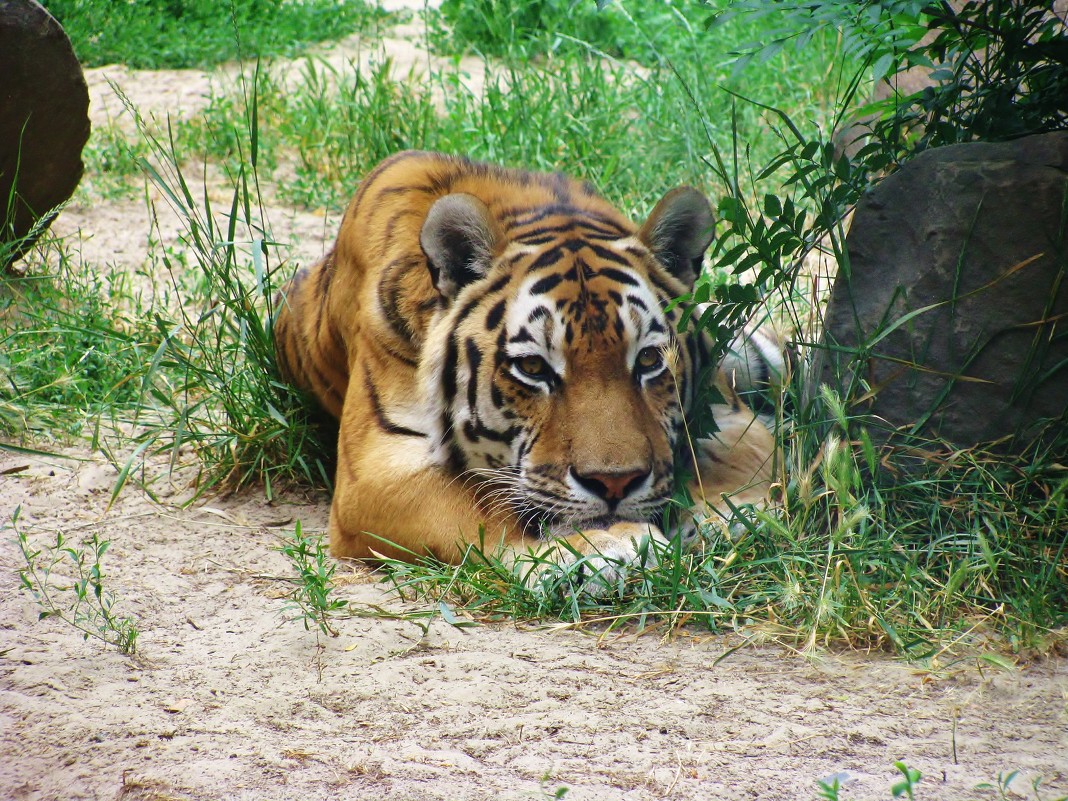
(979, 233)
(44, 121)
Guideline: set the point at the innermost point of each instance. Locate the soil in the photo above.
(226, 699)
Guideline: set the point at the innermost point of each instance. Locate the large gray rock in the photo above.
(979, 232)
(44, 120)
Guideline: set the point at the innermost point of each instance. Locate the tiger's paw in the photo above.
(596, 562)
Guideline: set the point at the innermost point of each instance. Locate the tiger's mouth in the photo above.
(548, 528)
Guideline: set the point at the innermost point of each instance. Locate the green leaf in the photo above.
(450, 617)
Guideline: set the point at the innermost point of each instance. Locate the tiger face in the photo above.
(558, 385)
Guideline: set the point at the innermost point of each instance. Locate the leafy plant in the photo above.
(992, 70)
(999, 70)
(71, 344)
(67, 582)
(907, 785)
(311, 597)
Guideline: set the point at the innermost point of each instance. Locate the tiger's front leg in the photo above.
(737, 462)
(390, 501)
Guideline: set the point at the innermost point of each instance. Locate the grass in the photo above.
(158, 34)
(519, 29)
(69, 343)
(67, 582)
(917, 549)
(311, 600)
(914, 566)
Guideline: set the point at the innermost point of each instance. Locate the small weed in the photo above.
(67, 582)
(1004, 780)
(907, 785)
(829, 790)
(547, 790)
(311, 601)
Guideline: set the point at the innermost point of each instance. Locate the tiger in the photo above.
(502, 356)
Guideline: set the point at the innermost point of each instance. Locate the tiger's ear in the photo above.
(458, 238)
(679, 231)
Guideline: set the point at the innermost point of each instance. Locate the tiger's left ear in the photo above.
(679, 231)
(458, 238)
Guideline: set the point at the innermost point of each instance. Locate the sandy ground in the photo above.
(228, 700)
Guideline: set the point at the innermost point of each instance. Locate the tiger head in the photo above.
(557, 382)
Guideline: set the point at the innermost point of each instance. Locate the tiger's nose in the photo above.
(611, 486)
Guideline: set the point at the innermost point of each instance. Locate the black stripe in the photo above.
(448, 371)
(539, 313)
(493, 318)
(634, 300)
(546, 233)
(500, 283)
(523, 336)
(457, 458)
(475, 431)
(546, 259)
(474, 361)
(383, 421)
(321, 385)
(546, 284)
(618, 276)
(608, 254)
(390, 231)
(539, 237)
(514, 218)
(400, 190)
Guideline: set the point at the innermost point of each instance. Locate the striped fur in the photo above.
(495, 347)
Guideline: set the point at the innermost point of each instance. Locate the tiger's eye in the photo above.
(534, 366)
(649, 359)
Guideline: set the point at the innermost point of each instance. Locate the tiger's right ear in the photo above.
(679, 231)
(458, 238)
